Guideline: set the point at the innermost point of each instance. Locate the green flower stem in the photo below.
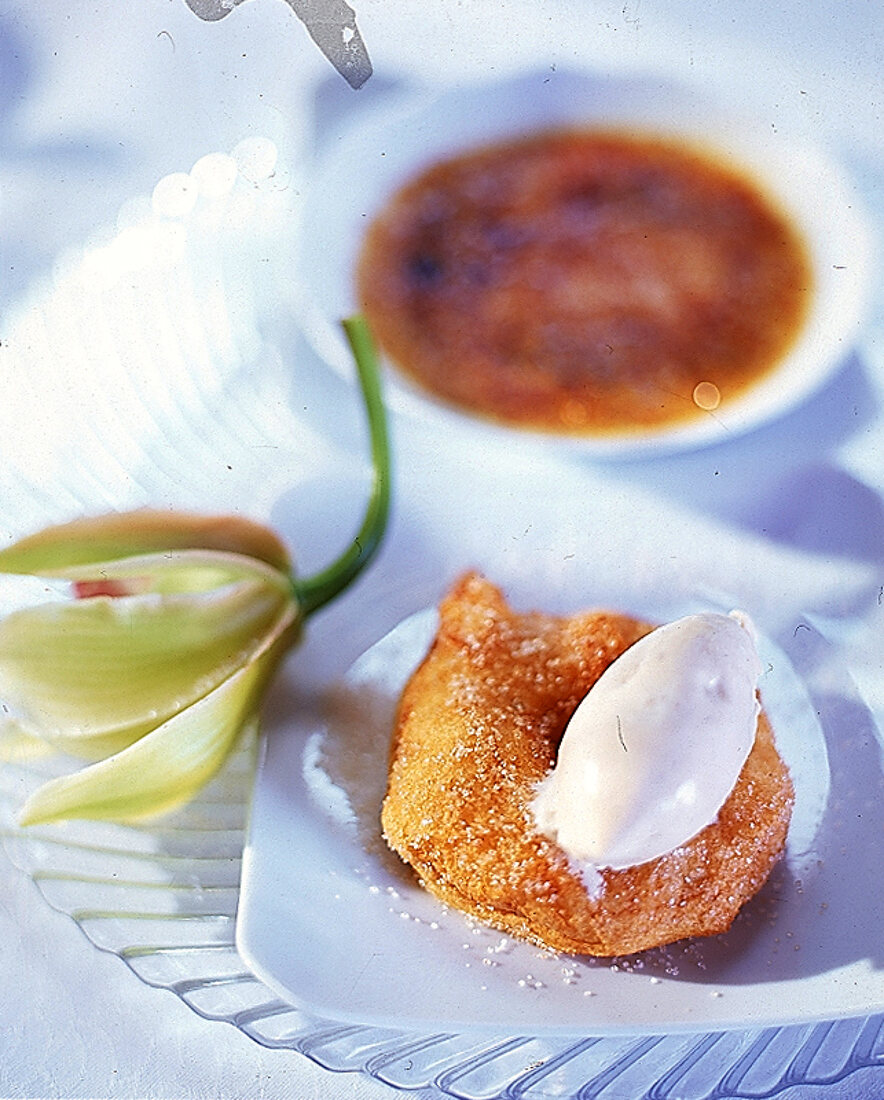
(316, 591)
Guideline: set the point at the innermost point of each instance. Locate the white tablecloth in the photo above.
(97, 103)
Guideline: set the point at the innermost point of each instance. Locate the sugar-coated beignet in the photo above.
(478, 727)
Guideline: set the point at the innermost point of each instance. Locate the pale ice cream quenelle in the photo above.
(655, 747)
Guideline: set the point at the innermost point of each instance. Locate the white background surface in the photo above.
(98, 101)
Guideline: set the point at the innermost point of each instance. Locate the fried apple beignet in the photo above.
(478, 727)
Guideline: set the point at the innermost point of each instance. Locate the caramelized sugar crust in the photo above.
(583, 282)
(479, 725)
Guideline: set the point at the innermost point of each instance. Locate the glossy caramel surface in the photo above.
(583, 282)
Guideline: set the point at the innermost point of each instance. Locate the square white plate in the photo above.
(334, 923)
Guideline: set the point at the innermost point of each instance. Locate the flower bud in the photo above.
(149, 658)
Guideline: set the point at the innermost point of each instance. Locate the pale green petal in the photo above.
(94, 675)
(168, 766)
(124, 534)
(169, 572)
(18, 745)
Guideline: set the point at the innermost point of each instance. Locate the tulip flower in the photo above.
(156, 637)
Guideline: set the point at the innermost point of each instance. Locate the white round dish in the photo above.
(369, 161)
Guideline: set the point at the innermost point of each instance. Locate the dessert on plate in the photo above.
(587, 782)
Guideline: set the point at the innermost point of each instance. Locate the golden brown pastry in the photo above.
(478, 727)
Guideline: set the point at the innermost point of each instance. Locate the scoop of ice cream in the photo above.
(656, 746)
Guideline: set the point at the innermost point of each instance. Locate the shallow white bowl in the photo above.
(375, 156)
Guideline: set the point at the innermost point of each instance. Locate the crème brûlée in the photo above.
(478, 749)
(585, 283)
